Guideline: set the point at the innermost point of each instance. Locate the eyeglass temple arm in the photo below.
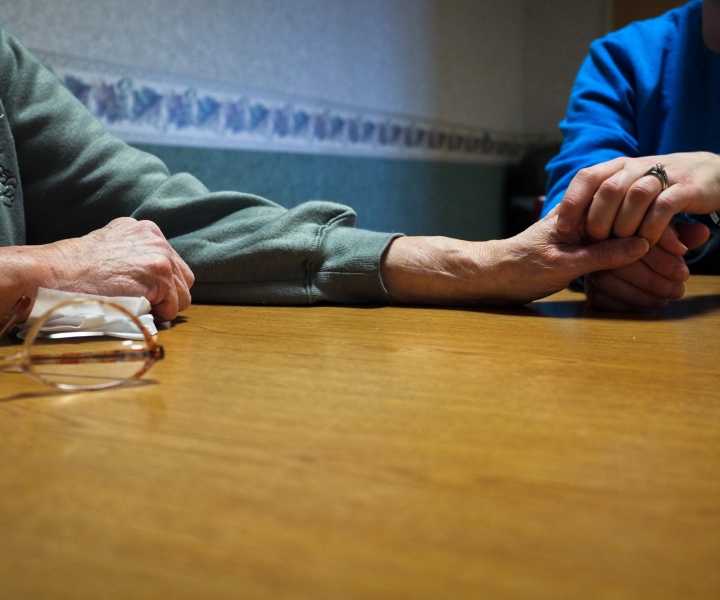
(15, 313)
(106, 356)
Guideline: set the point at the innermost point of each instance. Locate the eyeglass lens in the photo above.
(69, 351)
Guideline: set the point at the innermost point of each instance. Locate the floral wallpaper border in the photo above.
(147, 107)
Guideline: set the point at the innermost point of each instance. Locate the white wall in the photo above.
(505, 66)
(556, 38)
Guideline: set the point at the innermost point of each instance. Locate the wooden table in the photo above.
(329, 452)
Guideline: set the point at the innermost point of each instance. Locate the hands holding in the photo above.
(619, 199)
(124, 258)
(536, 263)
(615, 197)
(133, 258)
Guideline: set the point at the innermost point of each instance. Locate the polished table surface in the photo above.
(550, 451)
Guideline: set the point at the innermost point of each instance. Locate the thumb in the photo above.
(609, 254)
(693, 235)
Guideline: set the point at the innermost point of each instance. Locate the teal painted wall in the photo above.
(413, 197)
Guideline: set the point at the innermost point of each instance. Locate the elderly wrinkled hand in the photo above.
(125, 258)
(536, 263)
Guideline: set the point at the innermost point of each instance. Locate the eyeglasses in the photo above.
(63, 353)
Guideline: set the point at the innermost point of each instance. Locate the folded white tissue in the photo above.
(91, 316)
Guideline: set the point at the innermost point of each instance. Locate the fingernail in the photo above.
(564, 224)
(677, 290)
(636, 246)
(680, 273)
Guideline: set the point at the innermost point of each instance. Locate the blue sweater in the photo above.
(650, 88)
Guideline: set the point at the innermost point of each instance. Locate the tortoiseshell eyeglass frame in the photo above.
(24, 360)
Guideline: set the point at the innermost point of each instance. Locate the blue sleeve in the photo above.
(601, 120)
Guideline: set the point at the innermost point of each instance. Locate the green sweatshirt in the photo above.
(62, 175)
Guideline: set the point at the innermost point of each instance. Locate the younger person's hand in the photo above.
(652, 281)
(617, 196)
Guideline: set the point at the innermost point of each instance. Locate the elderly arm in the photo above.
(124, 258)
(535, 263)
(132, 258)
(76, 177)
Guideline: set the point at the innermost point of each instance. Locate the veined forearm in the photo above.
(440, 270)
(534, 264)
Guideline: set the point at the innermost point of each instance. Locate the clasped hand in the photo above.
(535, 263)
(617, 198)
(125, 258)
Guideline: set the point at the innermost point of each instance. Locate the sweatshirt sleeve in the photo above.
(601, 122)
(76, 177)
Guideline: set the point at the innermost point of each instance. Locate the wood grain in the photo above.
(331, 452)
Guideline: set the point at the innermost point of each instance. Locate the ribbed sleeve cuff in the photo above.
(347, 267)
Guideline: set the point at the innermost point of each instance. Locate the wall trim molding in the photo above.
(142, 106)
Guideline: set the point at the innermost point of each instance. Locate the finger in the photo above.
(608, 200)
(183, 293)
(178, 298)
(180, 292)
(634, 206)
(693, 235)
(183, 271)
(608, 254)
(661, 211)
(666, 265)
(670, 241)
(581, 191)
(187, 274)
(165, 306)
(182, 287)
(611, 285)
(599, 299)
(644, 278)
(163, 281)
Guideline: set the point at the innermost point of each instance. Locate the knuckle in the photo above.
(596, 231)
(607, 254)
(151, 227)
(623, 229)
(665, 204)
(642, 190)
(587, 175)
(611, 187)
(160, 265)
(123, 221)
(571, 199)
